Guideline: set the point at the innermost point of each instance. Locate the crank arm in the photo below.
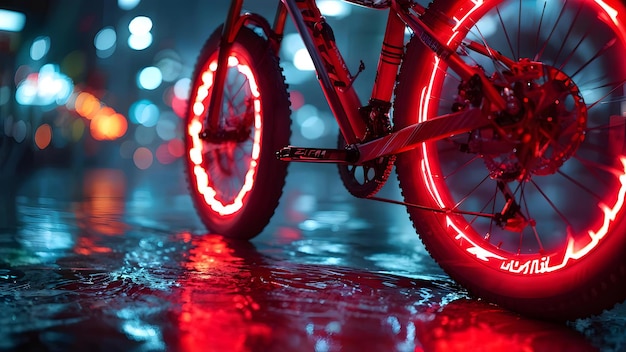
(413, 135)
(317, 155)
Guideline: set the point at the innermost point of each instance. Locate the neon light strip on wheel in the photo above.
(497, 258)
(195, 127)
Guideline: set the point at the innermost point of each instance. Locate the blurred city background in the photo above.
(106, 82)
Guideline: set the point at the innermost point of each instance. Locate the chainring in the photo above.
(365, 180)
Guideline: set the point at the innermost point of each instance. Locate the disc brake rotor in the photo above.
(543, 128)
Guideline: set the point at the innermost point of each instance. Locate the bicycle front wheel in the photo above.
(535, 215)
(234, 177)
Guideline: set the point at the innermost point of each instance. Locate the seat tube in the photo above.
(390, 59)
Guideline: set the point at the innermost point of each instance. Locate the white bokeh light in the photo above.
(140, 25)
(334, 8)
(140, 37)
(149, 78)
(302, 60)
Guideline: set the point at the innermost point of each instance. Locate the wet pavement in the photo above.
(102, 259)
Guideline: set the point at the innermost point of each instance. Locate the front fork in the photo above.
(229, 31)
(235, 20)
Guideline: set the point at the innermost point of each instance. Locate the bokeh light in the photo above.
(149, 78)
(140, 25)
(302, 60)
(39, 48)
(86, 105)
(313, 128)
(182, 87)
(304, 113)
(127, 4)
(12, 21)
(311, 125)
(176, 147)
(144, 112)
(108, 125)
(166, 128)
(292, 42)
(170, 64)
(163, 154)
(179, 105)
(143, 158)
(105, 42)
(47, 87)
(43, 136)
(22, 73)
(140, 37)
(20, 130)
(334, 8)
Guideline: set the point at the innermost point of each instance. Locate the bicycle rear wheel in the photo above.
(536, 217)
(234, 177)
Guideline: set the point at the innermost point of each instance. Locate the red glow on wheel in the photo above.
(462, 228)
(207, 184)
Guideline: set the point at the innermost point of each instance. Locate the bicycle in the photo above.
(504, 121)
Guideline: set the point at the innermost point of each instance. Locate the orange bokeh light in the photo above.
(43, 136)
(106, 123)
(87, 105)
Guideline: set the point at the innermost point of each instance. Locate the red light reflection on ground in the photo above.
(235, 299)
(216, 313)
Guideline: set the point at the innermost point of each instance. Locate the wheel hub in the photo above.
(542, 127)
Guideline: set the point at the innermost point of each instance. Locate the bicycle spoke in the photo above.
(539, 26)
(539, 194)
(574, 23)
(574, 51)
(470, 192)
(580, 185)
(551, 203)
(506, 35)
(519, 29)
(606, 47)
(613, 90)
(554, 27)
(481, 213)
(465, 165)
(592, 165)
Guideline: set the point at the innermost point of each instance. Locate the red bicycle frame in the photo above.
(336, 80)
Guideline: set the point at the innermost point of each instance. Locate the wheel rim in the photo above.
(550, 230)
(223, 170)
